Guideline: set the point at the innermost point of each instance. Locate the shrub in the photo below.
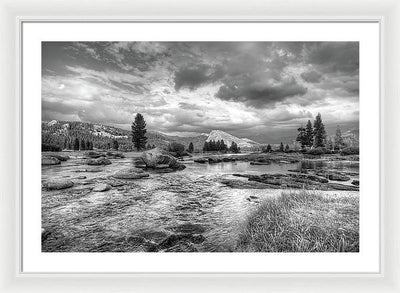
(350, 151)
(176, 148)
(316, 152)
(46, 147)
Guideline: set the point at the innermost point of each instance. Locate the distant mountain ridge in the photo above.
(63, 133)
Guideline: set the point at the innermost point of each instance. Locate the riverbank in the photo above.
(302, 222)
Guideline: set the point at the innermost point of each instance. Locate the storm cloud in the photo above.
(260, 93)
(311, 76)
(194, 87)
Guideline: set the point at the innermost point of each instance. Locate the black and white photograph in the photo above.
(167, 147)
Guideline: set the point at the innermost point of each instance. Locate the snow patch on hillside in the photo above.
(229, 138)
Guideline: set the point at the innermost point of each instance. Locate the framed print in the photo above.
(174, 152)
(221, 148)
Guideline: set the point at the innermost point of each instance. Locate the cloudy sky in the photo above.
(263, 90)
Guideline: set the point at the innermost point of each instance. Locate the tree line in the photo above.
(220, 146)
(314, 136)
(282, 148)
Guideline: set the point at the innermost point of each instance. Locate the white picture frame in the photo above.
(385, 13)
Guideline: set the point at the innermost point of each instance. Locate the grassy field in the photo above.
(302, 222)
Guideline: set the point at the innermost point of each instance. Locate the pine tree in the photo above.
(218, 146)
(287, 148)
(115, 144)
(309, 134)
(319, 132)
(281, 147)
(269, 148)
(338, 139)
(139, 138)
(223, 146)
(301, 137)
(191, 147)
(234, 147)
(76, 144)
(206, 147)
(211, 145)
(82, 146)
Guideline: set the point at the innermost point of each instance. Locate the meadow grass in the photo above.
(302, 222)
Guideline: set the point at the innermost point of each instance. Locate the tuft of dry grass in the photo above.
(302, 222)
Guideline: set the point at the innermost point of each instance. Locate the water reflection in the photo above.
(239, 167)
(338, 165)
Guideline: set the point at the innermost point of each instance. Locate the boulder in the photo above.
(201, 160)
(302, 171)
(213, 160)
(50, 161)
(99, 161)
(45, 234)
(115, 155)
(102, 187)
(241, 184)
(162, 166)
(337, 186)
(94, 155)
(58, 184)
(337, 177)
(154, 157)
(130, 173)
(356, 182)
(60, 157)
(316, 178)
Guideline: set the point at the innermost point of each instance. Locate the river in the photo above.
(188, 201)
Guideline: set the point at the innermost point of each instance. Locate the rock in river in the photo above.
(201, 160)
(130, 173)
(58, 184)
(155, 157)
(50, 161)
(242, 184)
(94, 155)
(102, 187)
(60, 157)
(115, 155)
(337, 177)
(99, 161)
